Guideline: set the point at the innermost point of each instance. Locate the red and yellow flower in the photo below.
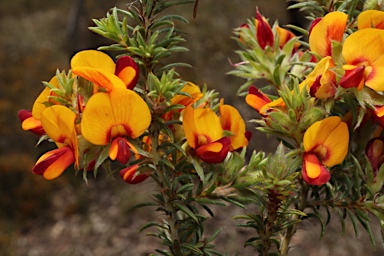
(325, 30)
(326, 145)
(111, 117)
(321, 82)
(59, 124)
(101, 70)
(204, 134)
(363, 52)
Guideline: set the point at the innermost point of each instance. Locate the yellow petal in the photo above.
(121, 112)
(93, 59)
(232, 121)
(370, 19)
(330, 28)
(59, 124)
(100, 78)
(189, 126)
(38, 105)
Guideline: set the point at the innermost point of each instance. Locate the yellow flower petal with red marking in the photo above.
(366, 48)
(370, 19)
(328, 139)
(59, 124)
(330, 28)
(232, 121)
(38, 105)
(201, 126)
(121, 112)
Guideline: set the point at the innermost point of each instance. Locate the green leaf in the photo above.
(153, 224)
(199, 170)
(192, 248)
(187, 211)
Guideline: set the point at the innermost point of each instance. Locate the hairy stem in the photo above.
(291, 230)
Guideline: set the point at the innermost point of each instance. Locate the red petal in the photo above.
(353, 78)
(313, 161)
(128, 78)
(263, 31)
(208, 155)
(120, 150)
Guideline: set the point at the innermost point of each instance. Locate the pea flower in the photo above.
(204, 134)
(59, 124)
(321, 82)
(101, 70)
(325, 144)
(363, 53)
(111, 117)
(325, 30)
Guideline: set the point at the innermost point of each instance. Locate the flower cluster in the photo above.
(341, 83)
(94, 110)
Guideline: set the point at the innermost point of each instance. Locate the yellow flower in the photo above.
(204, 134)
(321, 82)
(327, 141)
(363, 52)
(101, 70)
(113, 116)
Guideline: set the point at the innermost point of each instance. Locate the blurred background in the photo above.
(68, 217)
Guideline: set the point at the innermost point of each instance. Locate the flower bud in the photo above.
(375, 153)
(264, 32)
